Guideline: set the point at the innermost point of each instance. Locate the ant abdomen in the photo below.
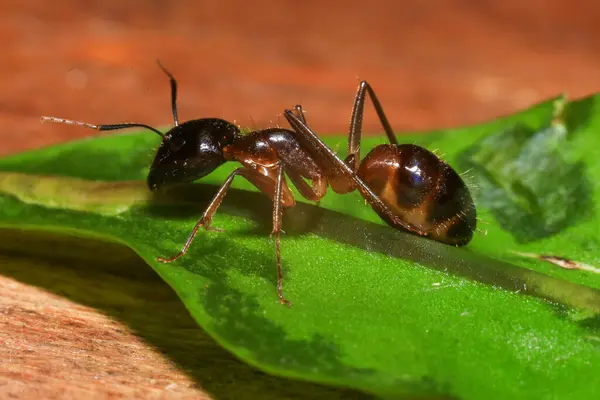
(422, 190)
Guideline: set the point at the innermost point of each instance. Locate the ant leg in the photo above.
(277, 222)
(173, 92)
(281, 195)
(206, 218)
(314, 192)
(354, 136)
(300, 113)
(112, 127)
(263, 183)
(340, 174)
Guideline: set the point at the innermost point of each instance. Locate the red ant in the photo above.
(407, 185)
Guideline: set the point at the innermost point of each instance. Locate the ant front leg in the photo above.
(206, 218)
(354, 136)
(274, 187)
(263, 183)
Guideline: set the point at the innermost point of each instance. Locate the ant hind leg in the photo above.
(300, 113)
(355, 133)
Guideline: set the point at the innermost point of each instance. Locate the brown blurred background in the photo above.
(434, 63)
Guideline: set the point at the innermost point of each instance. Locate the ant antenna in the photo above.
(112, 127)
(173, 92)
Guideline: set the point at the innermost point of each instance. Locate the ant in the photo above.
(408, 186)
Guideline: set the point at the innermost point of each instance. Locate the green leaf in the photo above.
(373, 308)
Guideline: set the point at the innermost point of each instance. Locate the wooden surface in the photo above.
(434, 63)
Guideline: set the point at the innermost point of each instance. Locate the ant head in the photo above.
(190, 151)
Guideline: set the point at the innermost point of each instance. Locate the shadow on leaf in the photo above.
(309, 219)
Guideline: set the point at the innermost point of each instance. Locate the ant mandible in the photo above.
(195, 148)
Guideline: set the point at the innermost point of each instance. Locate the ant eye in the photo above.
(176, 143)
